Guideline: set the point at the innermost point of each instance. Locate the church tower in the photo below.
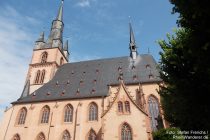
(47, 56)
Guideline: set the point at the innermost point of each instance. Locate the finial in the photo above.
(129, 19)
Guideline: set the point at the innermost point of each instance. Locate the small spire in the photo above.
(133, 48)
(66, 46)
(41, 37)
(60, 12)
(26, 89)
(132, 38)
(148, 50)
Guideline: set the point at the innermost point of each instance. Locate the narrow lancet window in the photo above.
(127, 107)
(154, 112)
(93, 112)
(68, 113)
(45, 114)
(22, 116)
(126, 133)
(120, 107)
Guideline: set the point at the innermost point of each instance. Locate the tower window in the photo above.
(37, 77)
(22, 116)
(126, 133)
(44, 57)
(120, 107)
(93, 112)
(133, 47)
(45, 114)
(68, 113)
(42, 77)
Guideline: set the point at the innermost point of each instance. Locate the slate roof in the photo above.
(92, 78)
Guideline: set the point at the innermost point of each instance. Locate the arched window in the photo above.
(61, 61)
(126, 133)
(66, 135)
(45, 114)
(22, 116)
(120, 107)
(16, 137)
(154, 112)
(68, 113)
(37, 77)
(93, 112)
(44, 57)
(92, 135)
(42, 76)
(40, 136)
(127, 106)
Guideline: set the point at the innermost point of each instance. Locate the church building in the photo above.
(103, 99)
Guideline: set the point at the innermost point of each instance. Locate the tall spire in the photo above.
(55, 39)
(60, 12)
(132, 45)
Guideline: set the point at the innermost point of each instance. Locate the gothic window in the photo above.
(44, 57)
(126, 133)
(120, 107)
(22, 116)
(68, 113)
(45, 114)
(40, 136)
(127, 106)
(153, 111)
(93, 112)
(92, 135)
(61, 61)
(66, 135)
(16, 137)
(37, 77)
(42, 76)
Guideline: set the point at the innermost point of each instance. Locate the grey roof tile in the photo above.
(89, 79)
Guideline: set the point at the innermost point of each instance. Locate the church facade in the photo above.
(103, 99)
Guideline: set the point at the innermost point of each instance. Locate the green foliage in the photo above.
(167, 134)
(185, 66)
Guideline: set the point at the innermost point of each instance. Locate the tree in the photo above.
(185, 67)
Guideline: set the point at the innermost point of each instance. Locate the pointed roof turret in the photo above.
(132, 44)
(66, 46)
(26, 89)
(41, 37)
(60, 12)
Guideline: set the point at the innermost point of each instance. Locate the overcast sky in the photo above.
(95, 29)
